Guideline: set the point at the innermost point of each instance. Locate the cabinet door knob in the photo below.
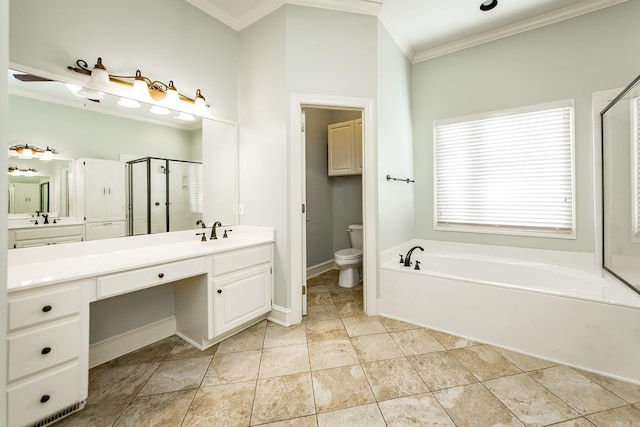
(161, 275)
(46, 350)
(45, 398)
(219, 291)
(47, 308)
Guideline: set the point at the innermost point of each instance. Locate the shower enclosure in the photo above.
(620, 132)
(163, 195)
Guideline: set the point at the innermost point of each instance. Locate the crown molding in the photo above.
(214, 11)
(517, 28)
(402, 44)
(363, 7)
(264, 8)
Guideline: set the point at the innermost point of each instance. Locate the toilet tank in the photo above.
(355, 235)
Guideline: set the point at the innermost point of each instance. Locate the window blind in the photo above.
(196, 200)
(507, 170)
(636, 166)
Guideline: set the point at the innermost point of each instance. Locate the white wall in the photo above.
(4, 120)
(570, 59)
(395, 143)
(262, 111)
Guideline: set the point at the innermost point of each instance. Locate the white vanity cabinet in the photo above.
(241, 285)
(46, 339)
(345, 148)
(101, 188)
(237, 293)
(45, 235)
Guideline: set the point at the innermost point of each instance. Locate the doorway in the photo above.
(333, 184)
(298, 208)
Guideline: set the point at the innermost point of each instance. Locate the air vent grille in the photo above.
(61, 414)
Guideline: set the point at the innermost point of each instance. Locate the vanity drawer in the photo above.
(129, 281)
(227, 262)
(43, 396)
(43, 306)
(49, 231)
(43, 348)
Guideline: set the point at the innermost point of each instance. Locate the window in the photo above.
(508, 172)
(635, 158)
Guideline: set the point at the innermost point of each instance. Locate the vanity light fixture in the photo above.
(16, 171)
(28, 151)
(488, 5)
(143, 88)
(47, 155)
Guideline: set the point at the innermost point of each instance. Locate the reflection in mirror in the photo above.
(620, 127)
(44, 112)
(45, 189)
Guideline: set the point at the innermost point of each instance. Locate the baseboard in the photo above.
(122, 344)
(323, 267)
(280, 315)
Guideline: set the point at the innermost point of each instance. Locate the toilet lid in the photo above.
(349, 253)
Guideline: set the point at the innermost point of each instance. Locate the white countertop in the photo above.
(45, 265)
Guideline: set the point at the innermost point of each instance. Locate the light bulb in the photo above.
(27, 153)
(201, 104)
(47, 156)
(140, 89)
(172, 97)
(99, 77)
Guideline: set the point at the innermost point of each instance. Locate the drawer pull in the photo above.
(161, 275)
(45, 398)
(219, 291)
(47, 308)
(46, 350)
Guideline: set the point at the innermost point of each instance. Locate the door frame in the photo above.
(369, 195)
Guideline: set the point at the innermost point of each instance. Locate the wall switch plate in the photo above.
(240, 209)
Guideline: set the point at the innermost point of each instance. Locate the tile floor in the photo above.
(341, 368)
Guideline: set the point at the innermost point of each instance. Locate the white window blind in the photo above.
(636, 166)
(510, 172)
(196, 200)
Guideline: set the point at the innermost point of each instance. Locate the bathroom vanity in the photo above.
(221, 287)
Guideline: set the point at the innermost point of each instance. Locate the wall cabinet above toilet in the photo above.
(345, 148)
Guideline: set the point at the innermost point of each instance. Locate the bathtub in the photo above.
(552, 305)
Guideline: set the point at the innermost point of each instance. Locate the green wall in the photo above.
(570, 59)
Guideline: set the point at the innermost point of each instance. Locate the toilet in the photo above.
(350, 260)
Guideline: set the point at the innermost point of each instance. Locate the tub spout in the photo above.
(407, 258)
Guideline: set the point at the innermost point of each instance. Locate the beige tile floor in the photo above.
(341, 368)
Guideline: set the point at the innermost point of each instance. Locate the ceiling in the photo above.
(424, 29)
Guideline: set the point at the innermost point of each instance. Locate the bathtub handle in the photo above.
(401, 259)
(417, 267)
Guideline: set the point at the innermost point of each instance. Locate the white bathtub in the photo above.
(575, 315)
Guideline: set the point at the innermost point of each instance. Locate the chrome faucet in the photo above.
(213, 229)
(407, 258)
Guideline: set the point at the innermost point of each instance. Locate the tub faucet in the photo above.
(213, 229)
(407, 258)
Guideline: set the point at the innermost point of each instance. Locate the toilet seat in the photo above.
(348, 253)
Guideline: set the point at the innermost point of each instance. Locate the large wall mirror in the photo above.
(620, 122)
(48, 113)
